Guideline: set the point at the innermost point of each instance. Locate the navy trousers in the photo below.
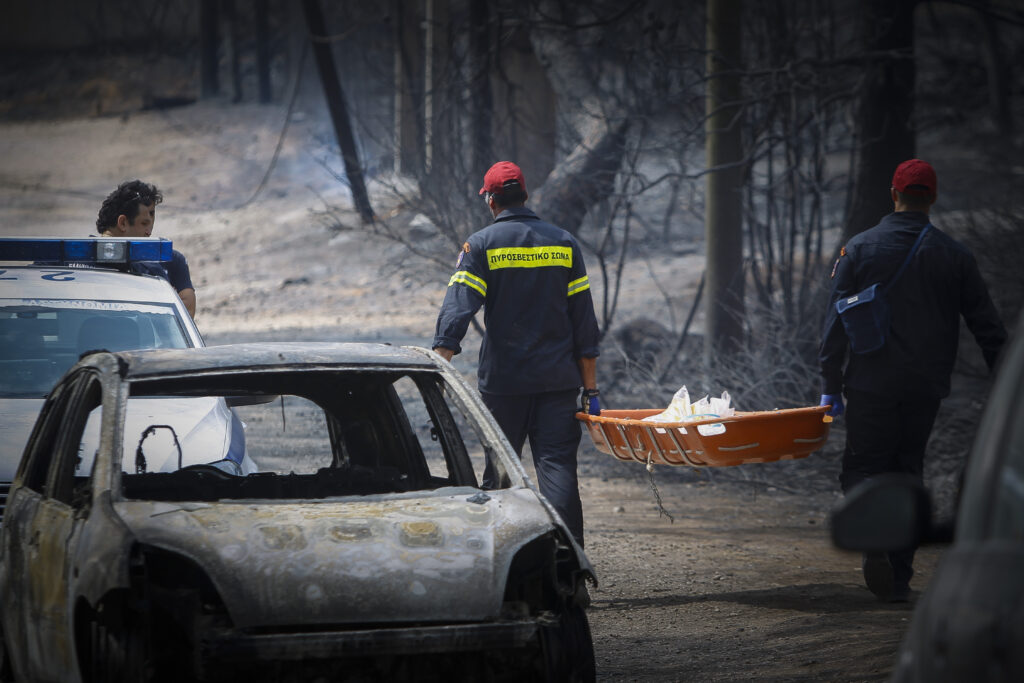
(549, 421)
(886, 435)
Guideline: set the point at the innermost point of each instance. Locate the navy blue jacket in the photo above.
(530, 278)
(940, 284)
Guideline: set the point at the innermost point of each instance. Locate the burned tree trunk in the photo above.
(588, 173)
(998, 73)
(338, 107)
(723, 202)
(209, 84)
(235, 48)
(262, 11)
(885, 135)
(482, 99)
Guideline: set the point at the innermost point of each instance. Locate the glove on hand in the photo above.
(589, 403)
(834, 400)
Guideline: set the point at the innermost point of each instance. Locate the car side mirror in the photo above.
(883, 514)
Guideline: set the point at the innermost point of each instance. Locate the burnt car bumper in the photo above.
(223, 645)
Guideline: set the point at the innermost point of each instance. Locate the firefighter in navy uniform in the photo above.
(893, 393)
(541, 342)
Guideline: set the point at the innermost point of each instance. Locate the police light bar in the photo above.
(85, 250)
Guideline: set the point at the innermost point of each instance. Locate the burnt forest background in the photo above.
(758, 136)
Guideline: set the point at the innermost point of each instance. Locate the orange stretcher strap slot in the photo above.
(763, 436)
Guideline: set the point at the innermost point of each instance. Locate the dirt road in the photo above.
(744, 584)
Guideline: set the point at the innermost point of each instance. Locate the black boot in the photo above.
(878, 574)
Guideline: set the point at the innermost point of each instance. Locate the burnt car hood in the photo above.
(436, 557)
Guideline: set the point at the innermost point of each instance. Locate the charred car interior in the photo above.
(366, 443)
(358, 545)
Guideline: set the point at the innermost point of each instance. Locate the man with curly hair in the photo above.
(130, 211)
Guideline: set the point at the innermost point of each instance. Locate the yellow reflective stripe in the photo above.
(529, 257)
(577, 286)
(466, 278)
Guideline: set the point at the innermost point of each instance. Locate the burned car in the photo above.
(363, 548)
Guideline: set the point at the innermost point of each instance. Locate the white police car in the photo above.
(62, 297)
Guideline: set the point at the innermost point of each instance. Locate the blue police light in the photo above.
(85, 250)
(79, 251)
(156, 250)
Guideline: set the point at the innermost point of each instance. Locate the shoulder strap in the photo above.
(906, 261)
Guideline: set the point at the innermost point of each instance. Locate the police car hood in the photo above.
(205, 428)
(433, 556)
(163, 434)
(17, 418)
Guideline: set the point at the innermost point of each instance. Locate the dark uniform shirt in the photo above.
(940, 284)
(530, 277)
(175, 271)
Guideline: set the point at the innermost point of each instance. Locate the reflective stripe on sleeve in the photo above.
(577, 286)
(466, 278)
(529, 257)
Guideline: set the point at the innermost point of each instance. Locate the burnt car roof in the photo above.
(269, 355)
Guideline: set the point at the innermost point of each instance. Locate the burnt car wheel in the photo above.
(116, 650)
(568, 648)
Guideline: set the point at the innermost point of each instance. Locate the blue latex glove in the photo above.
(589, 402)
(834, 400)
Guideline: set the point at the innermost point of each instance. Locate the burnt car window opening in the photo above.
(472, 439)
(309, 436)
(422, 427)
(288, 434)
(67, 483)
(445, 435)
(44, 439)
(39, 343)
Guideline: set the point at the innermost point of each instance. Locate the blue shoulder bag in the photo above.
(865, 315)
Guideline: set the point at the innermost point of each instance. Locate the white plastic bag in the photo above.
(681, 410)
(678, 409)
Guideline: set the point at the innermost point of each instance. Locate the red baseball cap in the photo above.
(501, 174)
(915, 172)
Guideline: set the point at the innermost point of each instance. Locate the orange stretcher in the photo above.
(763, 436)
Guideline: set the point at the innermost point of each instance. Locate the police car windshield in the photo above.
(39, 341)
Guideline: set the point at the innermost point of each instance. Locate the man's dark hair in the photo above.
(127, 199)
(512, 194)
(915, 202)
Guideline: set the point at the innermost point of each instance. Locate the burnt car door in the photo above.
(51, 531)
(19, 523)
